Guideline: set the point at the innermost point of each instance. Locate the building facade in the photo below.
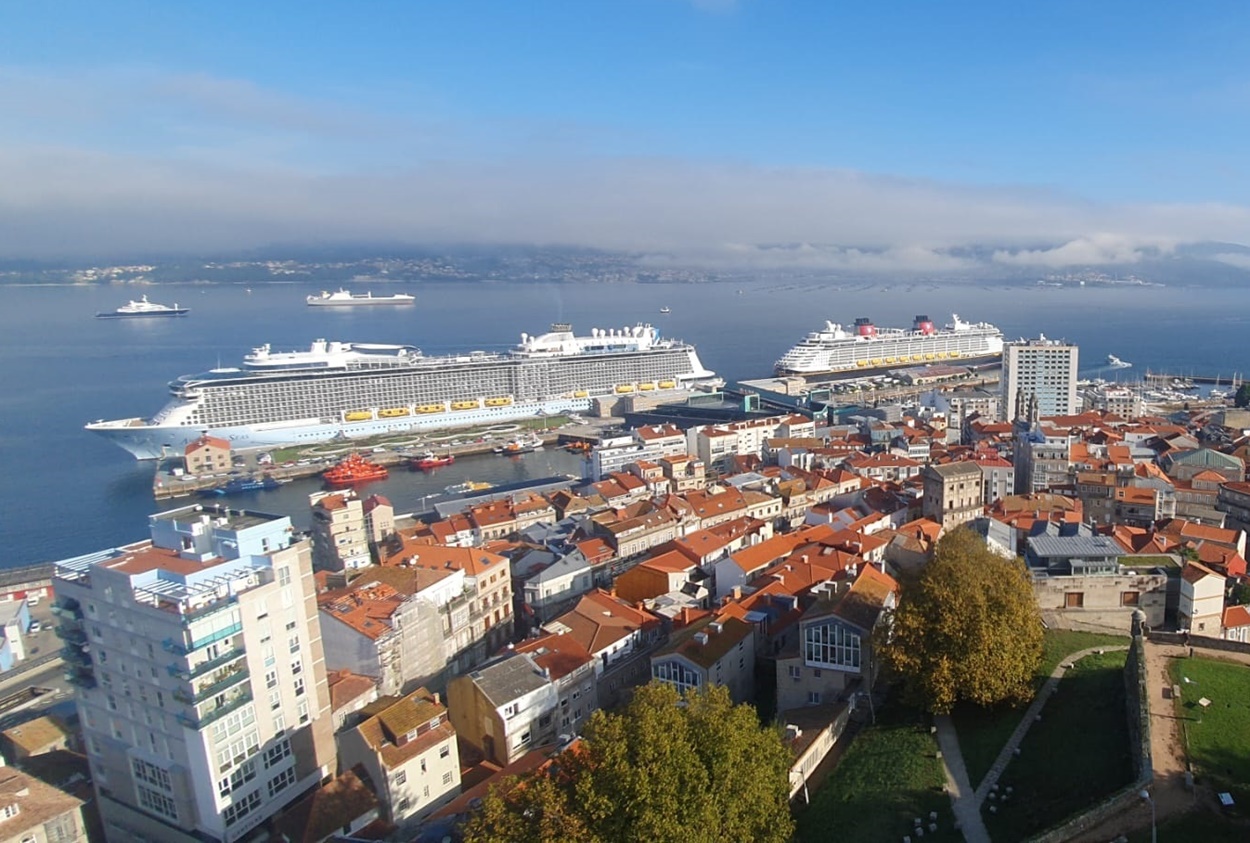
(1040, 372)
(199, 672)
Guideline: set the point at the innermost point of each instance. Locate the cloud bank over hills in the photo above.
(225, 165)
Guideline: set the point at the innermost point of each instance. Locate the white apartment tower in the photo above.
(1039, 372)
(340, 535)
(200, 677)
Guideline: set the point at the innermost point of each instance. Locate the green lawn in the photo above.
(888, 776)
(1195, 827)
(984, 731)
(1219, 734)
(1075, 756)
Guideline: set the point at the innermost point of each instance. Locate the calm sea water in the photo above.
(64, 491)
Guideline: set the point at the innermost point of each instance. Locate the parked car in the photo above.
(34, 627)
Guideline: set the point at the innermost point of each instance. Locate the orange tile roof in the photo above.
(207, 441)
(1236, 616)
(599, 620)
(760, 555)
(559, 653)
(670, 562)
(143, 557)
(472, 560)
(346, 686)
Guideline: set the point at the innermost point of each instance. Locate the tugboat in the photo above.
(428, 460)
(354, 469)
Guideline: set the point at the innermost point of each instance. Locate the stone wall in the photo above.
(1179, 639)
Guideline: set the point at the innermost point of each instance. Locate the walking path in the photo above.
(965, 802)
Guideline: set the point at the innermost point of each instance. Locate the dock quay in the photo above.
(1234, 379)
(301, 462)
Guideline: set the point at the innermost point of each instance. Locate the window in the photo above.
(9, 811)
(401, 777)
(1129, 598)
(281, 781)
(242, 808)
(1074, 600)
(275, 753)
(678, 675)
(284, 575)
(293, 644)
(796, 672)
(275, 700)
(447, 777)
(813, 697)
(271, 678)
(831, 645)
(444, 750)
(151, 774)
(303, 711)
(157, 803)
(296, 667)
(237, 779)
(299, 686)
(510, 710)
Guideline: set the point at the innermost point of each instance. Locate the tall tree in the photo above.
(966, 628)
(698, 770)
(1242, 398)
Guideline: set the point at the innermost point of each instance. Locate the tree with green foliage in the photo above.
(687, 770)
(1242, 398)
(966, 628)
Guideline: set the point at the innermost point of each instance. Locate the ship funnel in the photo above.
(924, 325)
(864, 327)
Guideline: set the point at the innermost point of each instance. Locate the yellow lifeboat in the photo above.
(890, 359)
(668, 384)
(431, 408)
(647, 387)
(930, 357)
(624, 388)
(954, 354)
(358, 415)
(580, 393)
(464, 405)
(393, 412)
(876, 361)
(861, 363)
(917, 357)
(501, 401)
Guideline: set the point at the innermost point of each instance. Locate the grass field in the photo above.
(1195, 827)
(1218, 736)
(984, 731)
(888, 776)
(1076, 755)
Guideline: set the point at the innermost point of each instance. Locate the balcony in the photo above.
(76, 656)
(198, 720)
(71, 633)
(79, 677)
(220, 681)
(206, 667)
(181, 648)
(211, 609)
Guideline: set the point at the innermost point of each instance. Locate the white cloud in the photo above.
(1092, 250)
(1239, 260)
(228, 164)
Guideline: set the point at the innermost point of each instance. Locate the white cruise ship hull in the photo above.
(150, 442)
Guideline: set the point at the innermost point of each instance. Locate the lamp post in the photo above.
(1145, 794)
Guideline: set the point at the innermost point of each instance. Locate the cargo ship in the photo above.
(344, 298)
(339, 390)
(866, 349)
(355, 469)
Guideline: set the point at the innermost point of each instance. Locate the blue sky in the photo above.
(696, 127)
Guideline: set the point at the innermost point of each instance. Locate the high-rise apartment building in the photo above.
(1039, 377)
(199, 671)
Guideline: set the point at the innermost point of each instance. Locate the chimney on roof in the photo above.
(700, 638)
(717, 627)
(438, 698)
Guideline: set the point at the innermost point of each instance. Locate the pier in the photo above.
(1233, 380)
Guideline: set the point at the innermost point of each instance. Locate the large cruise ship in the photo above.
(338, 389)
(867, 349)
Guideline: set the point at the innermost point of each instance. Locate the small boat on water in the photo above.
(430, 460)
(354, 469)
(468, 487)
(665, 309)
(144, 308)
(344, 298)
(520, 446)
(1116, 363)
(246, 484)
